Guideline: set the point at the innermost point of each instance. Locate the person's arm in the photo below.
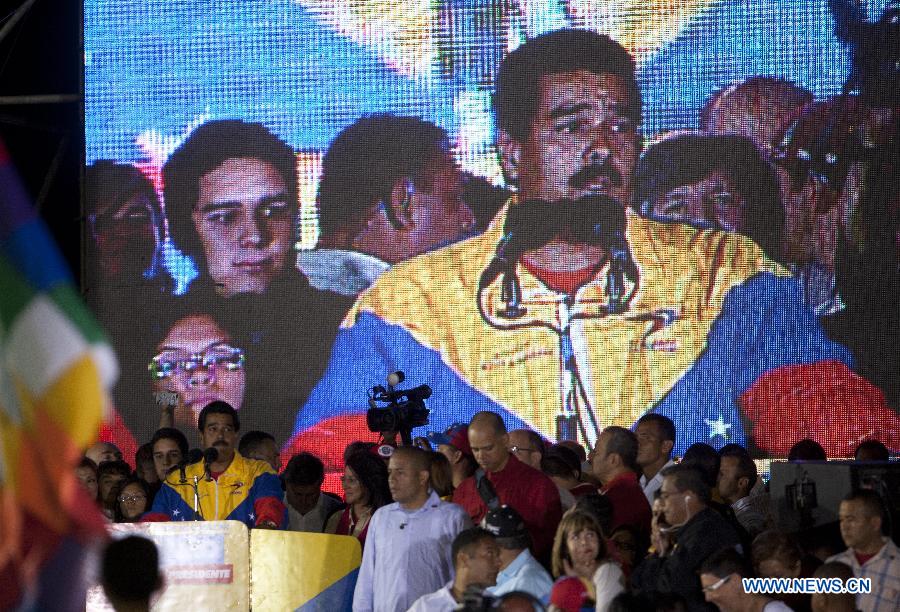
(608, 581)
(270, 511)
(363, 594)
(763, 324)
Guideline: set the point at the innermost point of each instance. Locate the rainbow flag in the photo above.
(55, 372)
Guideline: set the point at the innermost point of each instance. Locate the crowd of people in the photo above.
(474, 515)
(744, 301)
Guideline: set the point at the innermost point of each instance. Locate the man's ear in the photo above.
(667, 446)
(510, 152)
(401, 204)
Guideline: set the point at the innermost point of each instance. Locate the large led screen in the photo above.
(287, 200)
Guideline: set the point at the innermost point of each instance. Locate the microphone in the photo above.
(210, 455)
(529, 225)
(194, 455)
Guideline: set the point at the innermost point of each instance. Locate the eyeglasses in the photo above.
(715, 586)
(168, 364)
(516, 449)
(130, 499)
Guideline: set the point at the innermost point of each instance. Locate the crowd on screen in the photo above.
(748, 301)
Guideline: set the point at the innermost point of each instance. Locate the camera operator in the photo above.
(476, 561)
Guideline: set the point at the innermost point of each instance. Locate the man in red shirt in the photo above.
(504, 480)
(614, 462)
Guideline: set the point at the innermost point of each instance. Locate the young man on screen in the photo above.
(231, 200)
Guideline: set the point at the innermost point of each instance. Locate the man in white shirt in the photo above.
(476, 561)
(869, 553)
(308, 507)
(656, 439)
(519, 570)
(408, 546)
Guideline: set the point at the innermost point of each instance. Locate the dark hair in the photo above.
(467, 539)
(873, 450)
(117, 490)
(207, 148)
(144, 453)
(725, 563)
(252, 441)
(688, 158)
(872, 501)
(648, 601)
(746, 468)
(732, 449)
(130, 569)
(624, 443)
(705, 459)
(774, 544)
(170, 433)
(664, 425)
(373, 475)
(562, 462)
(116, 466)
(688, 478)
(218, 407)
(598, 506)
(108, 181)
(87, 462)
(367, 158)
(518, 80)
(357, 447)
(303, 470)
(807, 450)
(441, 474)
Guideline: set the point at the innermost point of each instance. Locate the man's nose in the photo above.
(253, 231)
(598, 149)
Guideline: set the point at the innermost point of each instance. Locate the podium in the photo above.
(221, 565)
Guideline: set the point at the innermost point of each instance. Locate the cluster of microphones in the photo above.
(208, 456)
(594, 220)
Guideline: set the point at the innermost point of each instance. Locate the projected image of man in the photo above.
(563, 341)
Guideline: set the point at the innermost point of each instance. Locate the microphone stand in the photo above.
(198, 516)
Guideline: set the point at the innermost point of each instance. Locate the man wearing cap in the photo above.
(519, 570)
(454, 445)
(503, 479)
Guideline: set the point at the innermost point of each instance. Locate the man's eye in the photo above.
(136, 214)
(723, 200)
(274, 209)
(223, 217)
(571, 126)
(622, 125)
(673, 207)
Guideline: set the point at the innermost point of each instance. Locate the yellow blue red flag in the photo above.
(55, 372)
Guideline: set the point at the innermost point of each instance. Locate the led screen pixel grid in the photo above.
(306, 69)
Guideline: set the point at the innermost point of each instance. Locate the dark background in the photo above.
(42, 56)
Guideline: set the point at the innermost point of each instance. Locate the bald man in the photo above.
(502, 478)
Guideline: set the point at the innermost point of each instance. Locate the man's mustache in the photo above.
(587, 174)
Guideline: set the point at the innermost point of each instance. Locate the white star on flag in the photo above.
(718, 428)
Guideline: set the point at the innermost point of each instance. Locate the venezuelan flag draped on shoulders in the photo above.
(55, 373)
(710, 316)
